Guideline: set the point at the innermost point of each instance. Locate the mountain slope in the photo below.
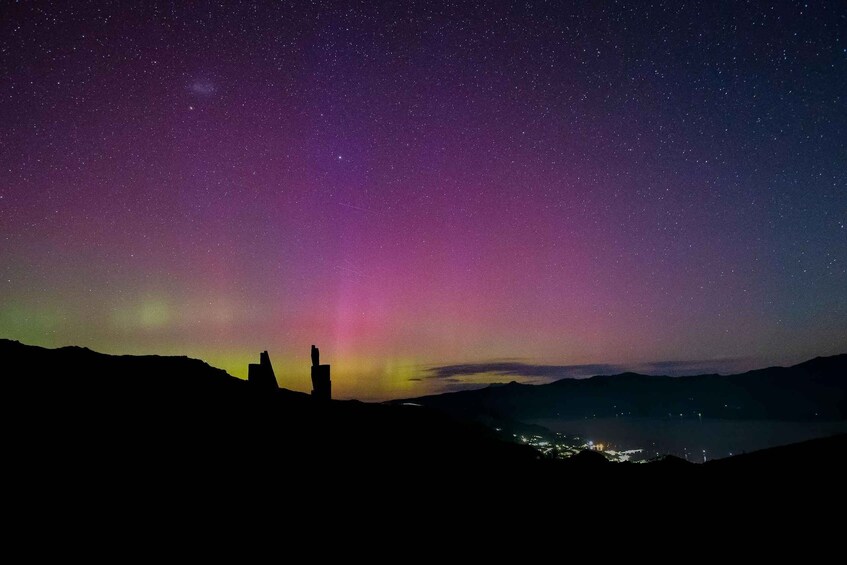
(816, 389)
(126, 432)
(73, 403)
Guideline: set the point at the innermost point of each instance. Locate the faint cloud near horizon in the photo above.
(516, 369)
(470, 373)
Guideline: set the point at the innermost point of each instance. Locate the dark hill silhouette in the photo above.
(127, 432)
(816, 455)
(180, 403)
(814, 390)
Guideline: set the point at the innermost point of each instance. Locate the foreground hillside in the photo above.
(73, 399)
(86, 424)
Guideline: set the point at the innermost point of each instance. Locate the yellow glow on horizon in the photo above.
(363, 378)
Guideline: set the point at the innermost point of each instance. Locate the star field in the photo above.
(416, 184)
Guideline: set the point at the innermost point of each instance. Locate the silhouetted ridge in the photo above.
(184, 412)
(814, 390)
(128, 430)
(822, 455)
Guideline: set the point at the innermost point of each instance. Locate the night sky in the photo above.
(435, 195)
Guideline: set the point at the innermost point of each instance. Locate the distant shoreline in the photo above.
(687, 437)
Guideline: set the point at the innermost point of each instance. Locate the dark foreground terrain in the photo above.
(123, 431)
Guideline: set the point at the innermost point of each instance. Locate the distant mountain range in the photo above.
(814, 390)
